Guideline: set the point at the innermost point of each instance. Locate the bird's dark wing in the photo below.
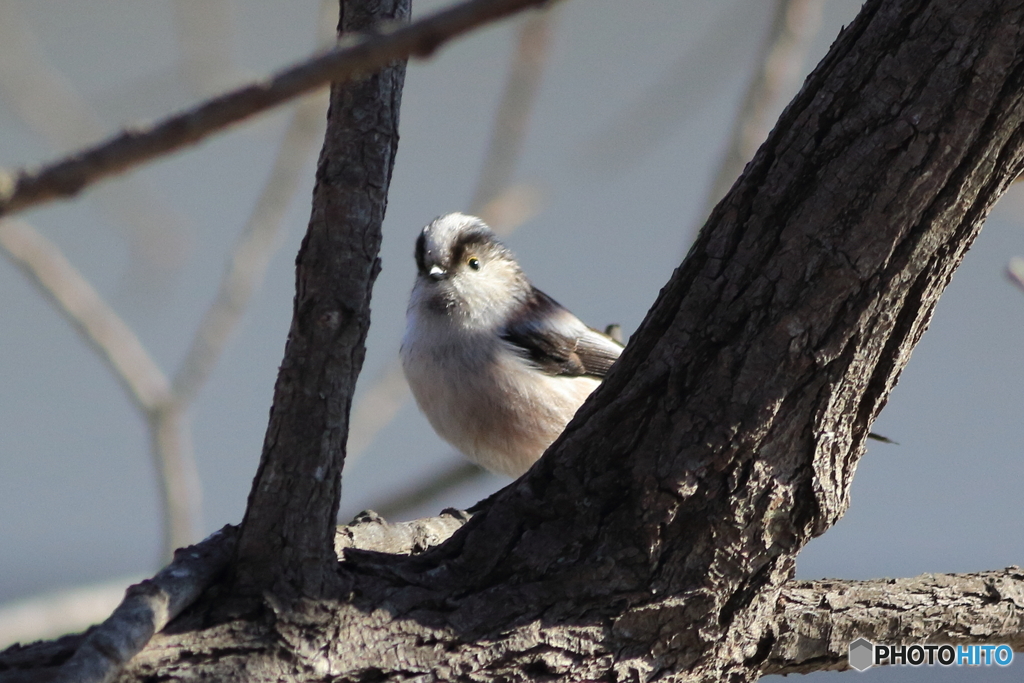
(557, 342)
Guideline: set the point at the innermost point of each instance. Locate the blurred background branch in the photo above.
(165, 404)
(67, 177)
(256, 245)
(684, 87)
(513, 115)
(794, 24)
(262, 233)
(48, 103)
(128, 360)
(1015, 271)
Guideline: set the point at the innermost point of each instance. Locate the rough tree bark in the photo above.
(286, 545)
(656, 537)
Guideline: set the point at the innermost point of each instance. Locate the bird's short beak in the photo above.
(436, 273)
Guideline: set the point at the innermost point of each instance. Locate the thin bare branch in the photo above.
(794, 25)
(48, 103)
(170, 434)
(131, 364)
(91, 317)
(517, 103)
(1015, 271)
(356, 55)
(256, 245)
(146, 608)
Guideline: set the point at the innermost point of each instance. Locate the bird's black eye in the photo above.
(473, 263)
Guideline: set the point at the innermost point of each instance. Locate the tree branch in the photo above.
(794, 24)
(356, 57)
(513, 115)
(815, 623)
(286, 547)
(130, 363)
(819, 619)
(83, 307)
(146, 608)
(252, 252)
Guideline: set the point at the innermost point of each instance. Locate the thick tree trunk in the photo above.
(655, 538)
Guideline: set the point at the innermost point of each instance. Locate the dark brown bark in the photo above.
(655, 538)
(815, 620)
(286, 544)
(728, 433)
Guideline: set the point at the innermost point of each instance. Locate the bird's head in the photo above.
(465, 272)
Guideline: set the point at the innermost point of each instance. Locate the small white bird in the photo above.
(498, 367)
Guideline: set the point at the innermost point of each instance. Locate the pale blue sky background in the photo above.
(77, 491)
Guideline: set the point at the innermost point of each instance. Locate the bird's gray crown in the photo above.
(444, 242)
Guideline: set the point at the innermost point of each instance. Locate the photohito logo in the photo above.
(864, 654)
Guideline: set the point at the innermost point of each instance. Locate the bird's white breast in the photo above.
(482, 396)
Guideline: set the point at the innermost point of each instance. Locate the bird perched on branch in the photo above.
(498, 367)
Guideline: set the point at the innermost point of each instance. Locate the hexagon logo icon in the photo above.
(861, 651)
